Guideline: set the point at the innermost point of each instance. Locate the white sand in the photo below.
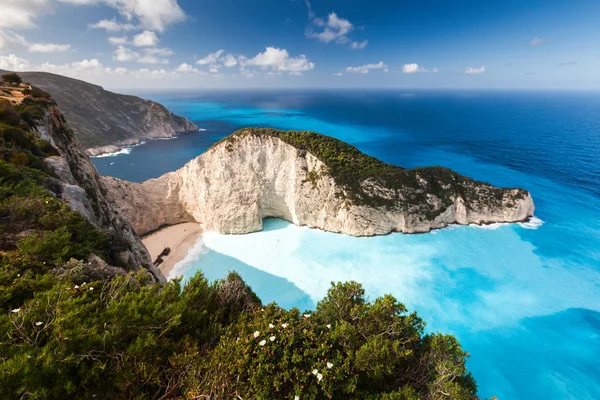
(180, 238)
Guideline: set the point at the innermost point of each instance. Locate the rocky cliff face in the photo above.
(255, 174)
(80, 185)
(104, 121)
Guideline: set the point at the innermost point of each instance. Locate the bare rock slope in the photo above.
(79, 185)
(313, 180)
(104, 121)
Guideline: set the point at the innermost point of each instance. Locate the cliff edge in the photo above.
(312, 180)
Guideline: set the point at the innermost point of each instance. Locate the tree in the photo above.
(12, 78)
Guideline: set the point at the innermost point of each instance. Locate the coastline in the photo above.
(125, 148)
(179, 238)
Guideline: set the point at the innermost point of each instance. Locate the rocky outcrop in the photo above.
(312, 180)
(77, 182)
(104, 121)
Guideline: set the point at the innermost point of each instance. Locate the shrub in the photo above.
(12, 78)
(347, 348)
(37, 93)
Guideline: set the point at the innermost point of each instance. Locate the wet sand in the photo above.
(180, 238)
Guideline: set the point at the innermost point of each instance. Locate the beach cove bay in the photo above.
(523, 299)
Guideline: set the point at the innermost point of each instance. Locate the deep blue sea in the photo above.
(523, 299)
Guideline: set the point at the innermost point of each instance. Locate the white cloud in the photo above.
(21, 13)
(117, 71)
(87, 64)
(229, 61)
(474, 70)
(364, 69)
(536, 41)
(48, 48)
(11, 41)
(279, 60)
(411, 68)
(165, 52)
(111, 25)
(153, 15)
(116, 40)
(13, 63)
(125, 54)
(187, 68)
(359, 45)
(211, 58)
(333, 29)
(145, 39)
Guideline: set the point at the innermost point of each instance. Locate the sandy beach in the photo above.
(180, 238)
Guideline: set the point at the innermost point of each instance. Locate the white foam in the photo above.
(201, 130)
(166, 138)
(489, 227)
(124, 150)
(533, 223)
(189, 260)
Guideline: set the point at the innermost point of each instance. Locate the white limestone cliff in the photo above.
(237, 183)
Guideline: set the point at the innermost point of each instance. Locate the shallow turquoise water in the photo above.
(523, 299)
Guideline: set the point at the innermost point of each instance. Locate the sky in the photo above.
(508, 44)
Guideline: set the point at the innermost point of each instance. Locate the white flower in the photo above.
(284, 325)
(263, 342)
(16, 310)
(256, 334)
(28, 356)
(76, 287)
(91, 288)
(38, 323)
(19, 275)
(306, 315)
(271, 326)
(328, 326)
(296, 397)
(319, 377)
(329, 365)
(272, 338)
(314, 371)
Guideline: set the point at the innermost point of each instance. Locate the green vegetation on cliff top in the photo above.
(67, 331)
(350, 168)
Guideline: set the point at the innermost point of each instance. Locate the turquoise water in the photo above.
(523, 299)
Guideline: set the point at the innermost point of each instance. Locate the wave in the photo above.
(192, 256)
(490, 227)
(533, 223)
(124, 150)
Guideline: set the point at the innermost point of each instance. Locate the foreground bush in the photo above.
(126, 339)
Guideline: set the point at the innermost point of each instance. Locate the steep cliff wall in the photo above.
(255, 174)
(104, 121)
(81, 187)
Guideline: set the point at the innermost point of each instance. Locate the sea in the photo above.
(523, 299)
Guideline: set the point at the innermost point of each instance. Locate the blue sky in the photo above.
(296, 43)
